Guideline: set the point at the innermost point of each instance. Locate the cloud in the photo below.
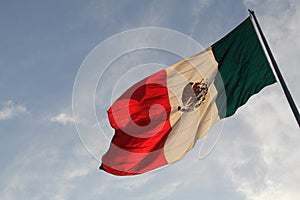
(10, 110)
(62, 118)
(260, 160)
(197, 10)
(48, 173)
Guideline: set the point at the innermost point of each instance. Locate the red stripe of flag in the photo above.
(140, 118)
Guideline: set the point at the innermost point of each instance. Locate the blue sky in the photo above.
(42, 46)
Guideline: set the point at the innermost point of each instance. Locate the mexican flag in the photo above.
(159, 119)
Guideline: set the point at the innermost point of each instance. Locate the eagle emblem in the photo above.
(193, 96)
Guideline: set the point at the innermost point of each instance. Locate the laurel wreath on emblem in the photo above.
(193, 96)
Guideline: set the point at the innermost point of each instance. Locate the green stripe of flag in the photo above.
(243, 67)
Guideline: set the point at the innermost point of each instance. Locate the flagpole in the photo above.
(278, 73)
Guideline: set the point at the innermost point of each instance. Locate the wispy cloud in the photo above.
(258, 163)
(52, 177)
(62, 118)
(12, 110)
(197, 8)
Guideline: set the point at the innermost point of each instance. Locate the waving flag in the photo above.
(159, 119)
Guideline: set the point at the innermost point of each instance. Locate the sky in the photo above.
(44, 155)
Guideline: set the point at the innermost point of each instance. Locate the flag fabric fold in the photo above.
(159, 119)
